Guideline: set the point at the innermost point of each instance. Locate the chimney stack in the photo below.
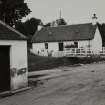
(94, 19)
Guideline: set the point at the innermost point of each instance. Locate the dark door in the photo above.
(60, 46)
(4, 68)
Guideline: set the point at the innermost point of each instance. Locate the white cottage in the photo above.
(50, 40)
(58, 41)
(13, 59)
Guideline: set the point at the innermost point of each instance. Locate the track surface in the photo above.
(82, 85)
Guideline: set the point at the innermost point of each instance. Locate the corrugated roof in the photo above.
(65, 33)
(9, 33)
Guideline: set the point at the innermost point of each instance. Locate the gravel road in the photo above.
(81, 85)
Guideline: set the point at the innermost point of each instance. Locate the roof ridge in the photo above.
(12, 29)
(66, 25)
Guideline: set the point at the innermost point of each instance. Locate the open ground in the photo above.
(81, 85)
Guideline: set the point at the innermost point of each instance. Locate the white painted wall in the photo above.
(39, 48)
(83, 44)
(53, 46)
(18, 60)
(95, 45)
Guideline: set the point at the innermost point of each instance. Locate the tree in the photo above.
(13, 10)
(57, 22)
(61, 21)
(28, 28)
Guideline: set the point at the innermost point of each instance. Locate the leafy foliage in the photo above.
(13, 10)
(28, 28)
(61, 21)
(57, 22)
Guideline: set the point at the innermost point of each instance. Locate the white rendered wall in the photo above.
(39, 48)
(53, 46)
(18, 62)
(97, 42)
(83, 44)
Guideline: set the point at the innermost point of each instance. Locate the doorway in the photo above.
(60, 46)
(4, 68)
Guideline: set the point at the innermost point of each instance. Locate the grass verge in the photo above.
(36, 63)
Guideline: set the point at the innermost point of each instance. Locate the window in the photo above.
(76, 44)
(60, 46)
(46, 45)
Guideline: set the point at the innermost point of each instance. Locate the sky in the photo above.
(73, 11)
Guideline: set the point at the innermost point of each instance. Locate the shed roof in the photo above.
(9, 33)
(65, 33)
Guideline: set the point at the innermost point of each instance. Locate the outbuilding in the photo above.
(13, 59)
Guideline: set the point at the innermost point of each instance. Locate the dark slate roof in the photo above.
(65, 33)
(9, 33)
